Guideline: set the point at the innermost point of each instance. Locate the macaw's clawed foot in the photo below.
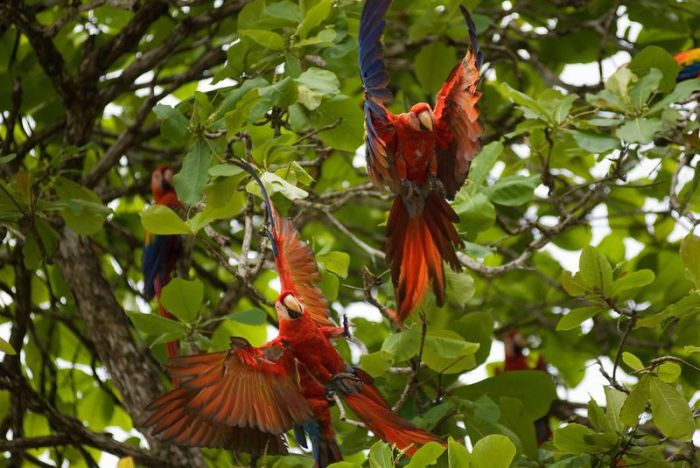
(343, 383)
(436, 185)
(412, 198)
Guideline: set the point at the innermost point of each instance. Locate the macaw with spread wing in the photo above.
(689, 61)
(422, 156)
(160, 253)
(246, 398)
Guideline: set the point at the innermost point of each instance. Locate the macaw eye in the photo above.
(293, 306)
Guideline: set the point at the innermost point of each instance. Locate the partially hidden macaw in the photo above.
(689, 61)
(246, 398)
(422, 156)
(160, 253)
(515, 360)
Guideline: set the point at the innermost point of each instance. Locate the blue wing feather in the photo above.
(689, 72)
(159, 258)
(372, 69)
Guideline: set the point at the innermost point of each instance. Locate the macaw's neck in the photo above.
(168, 198)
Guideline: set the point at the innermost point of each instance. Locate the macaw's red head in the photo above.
(288, 307)
(514, 343)
(162, 187)
(421, 117)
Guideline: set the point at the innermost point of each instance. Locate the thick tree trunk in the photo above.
(134, 375)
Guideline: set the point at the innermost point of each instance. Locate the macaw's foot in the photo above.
(343, 383)
(346, 327)
(412, 198)
(436, 185)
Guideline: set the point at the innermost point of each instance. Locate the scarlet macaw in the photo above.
(160, 253)
(422, 156)
(244, 399)
(515, 360)
(689, 61)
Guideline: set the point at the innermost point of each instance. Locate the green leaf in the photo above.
(314, 17)
(562, 109)
(174, 125)
(376, 364)
(595, 143)
(595, 270)
(512, 190)
(656, 58)
(573, 284)
(640, 130)
(380, 455)
(314, 84)
(335, 262)
(403, 345)
(457, 454)
(632, 281)
(183, 298)
(194, 172)
(690, 257)
(643, 89)
(619, 81)
(632, 361)
(160, 219)
(691, 349)
(532, 108)
(83, 210)
(268, 39)
(224, 170)
(614, 399)
(275, 184)
(433, 64)
(7, 348)
(476, 213)
(681, 92)
(447, 352)
(668, 372)
(240, 115)
(575, 317)
(572, 438)
(427, 455)
(689, 304)
(224, 201)
(670, 410)
(155, 325)
(252, 316)
(636, 402)
(482, 165)
(493, 451)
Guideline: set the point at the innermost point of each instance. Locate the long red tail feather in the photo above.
(385, 423)
(416, 248)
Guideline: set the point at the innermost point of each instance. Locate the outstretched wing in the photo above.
(247, 387)
(457, 115)
(297, 269)
(379, 129)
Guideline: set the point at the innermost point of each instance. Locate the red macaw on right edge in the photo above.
(689, 60)
(422, 156)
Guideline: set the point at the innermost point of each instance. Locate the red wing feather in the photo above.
(238, 389)
(298, 272)
(457, 117)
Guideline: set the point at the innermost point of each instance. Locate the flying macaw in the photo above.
(246, 398)
(515, 360)
(689, 61)
(422, 156)
(160, 253)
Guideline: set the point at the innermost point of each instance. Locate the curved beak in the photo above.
(426, 120)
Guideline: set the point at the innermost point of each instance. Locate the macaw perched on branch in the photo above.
(689, 61)
(515, 360)
(160, 253)
(246, 398)
(422, 156)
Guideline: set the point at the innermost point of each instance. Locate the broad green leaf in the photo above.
(619, 82)
(636, 402)
(573, 284)
(83, 210)
(595, 270)
(183, 298)
(632, 281)
(275, 184)
(532, 108)
(476, 213)
(691, 349)
(268, 39)
(7, 348)
(614, 399)
(427, 455)
(595, 143)
(252, 316)
(682, 91)
(561, 111)
(314, 17)
(447, 352)
(224, 170)
(688, 305)
(194, 173)
(493, 451)
(380, 455)
(572, 438)
(403, 345)
(335, 262)
(314, 85)
(155, 325)
(223, 201)
(376, 364)
(656, 58)
(174, 125)
(633, 361)
(457, 454)
(643, 89)
(640, 130)
(575, 317)
(670, 410)
(668, 372)
(240, 115)
(433, 64)
(690, 256)
(512, 190)
(482, 165)
(160, 219)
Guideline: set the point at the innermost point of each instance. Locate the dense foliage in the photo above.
(95, 94)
